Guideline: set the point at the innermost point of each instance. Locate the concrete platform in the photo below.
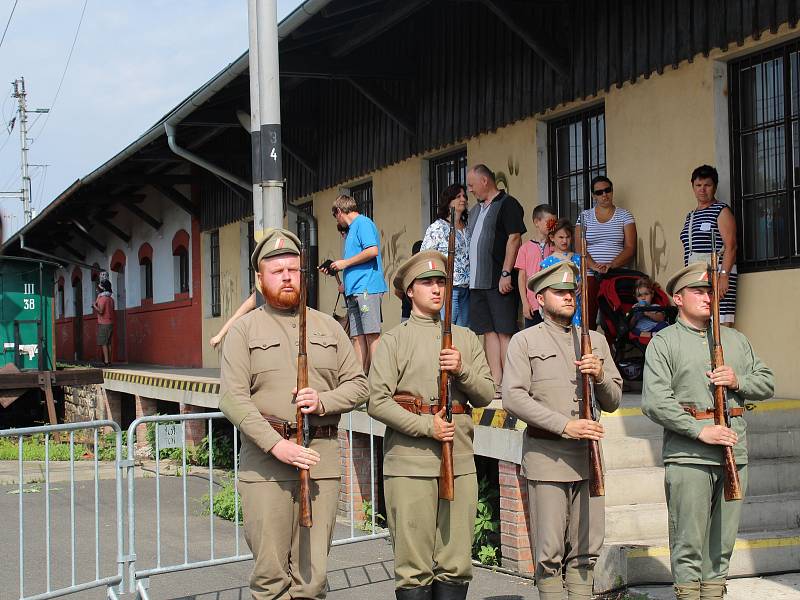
(198, 387)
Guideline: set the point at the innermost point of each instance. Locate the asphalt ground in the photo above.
(356, 571)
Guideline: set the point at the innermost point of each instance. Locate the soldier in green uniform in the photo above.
(259, 376)
(678, 394)
(542, 387)
(432, 538)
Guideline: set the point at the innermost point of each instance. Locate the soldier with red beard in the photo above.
(259, 375)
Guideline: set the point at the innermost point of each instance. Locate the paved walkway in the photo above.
(778, 587)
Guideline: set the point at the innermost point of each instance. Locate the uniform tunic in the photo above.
(676, 361)
(259, 371)
(427, 531)
(542, 386)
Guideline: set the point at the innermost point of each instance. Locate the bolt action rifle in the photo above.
(588, 405)
(732, 486)
(446, 477)
(303, 428)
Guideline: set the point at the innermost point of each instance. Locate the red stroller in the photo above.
(616, 299)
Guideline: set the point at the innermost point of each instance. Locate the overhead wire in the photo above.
(5, 31)
(66, 67)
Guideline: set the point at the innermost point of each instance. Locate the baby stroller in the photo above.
(616, 299)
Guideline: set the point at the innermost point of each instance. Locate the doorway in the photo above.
(118, 284)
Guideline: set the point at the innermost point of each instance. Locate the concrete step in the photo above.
(646, 562)
(649, 521)
(645, 451)
(769, 415)
(645, 485)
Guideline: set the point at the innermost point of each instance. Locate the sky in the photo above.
(133, 61)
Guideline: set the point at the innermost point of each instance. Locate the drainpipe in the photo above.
(245, 185)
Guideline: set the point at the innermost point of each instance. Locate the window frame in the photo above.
(146, 291)
(182, 254)
(587, 170)
(434, 163)
(788, 253)
(361, 193)
(214, 273)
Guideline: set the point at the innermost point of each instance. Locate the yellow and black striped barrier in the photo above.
(203, 387)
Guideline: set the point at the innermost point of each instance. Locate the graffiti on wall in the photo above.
(654, 261)
(393, 254)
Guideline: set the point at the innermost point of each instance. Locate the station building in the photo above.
(391, 102)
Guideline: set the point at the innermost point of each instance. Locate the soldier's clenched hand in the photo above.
(308, 401)
(583, 429)
(296, 455)
(450, 360)
(718, 435)
(442, 430)
(591, 365)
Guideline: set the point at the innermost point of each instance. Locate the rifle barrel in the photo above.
(446, 475)
(303, 428)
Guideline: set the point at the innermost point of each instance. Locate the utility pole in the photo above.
(265, 116)
(23, 194)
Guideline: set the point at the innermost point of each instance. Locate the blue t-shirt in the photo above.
(368, 276)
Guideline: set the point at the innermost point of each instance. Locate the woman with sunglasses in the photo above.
(610, 238)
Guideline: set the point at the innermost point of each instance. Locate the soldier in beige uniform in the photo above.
(542, 386)
(432, 538)
(259, 376)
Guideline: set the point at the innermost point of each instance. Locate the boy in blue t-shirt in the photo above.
(364, 283)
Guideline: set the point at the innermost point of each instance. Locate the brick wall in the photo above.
(360, 473)
(514, 521)
(195, 430)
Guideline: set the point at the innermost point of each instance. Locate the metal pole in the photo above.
(269, 119)
(19, 94)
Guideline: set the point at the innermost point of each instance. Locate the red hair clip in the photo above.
(551, 224)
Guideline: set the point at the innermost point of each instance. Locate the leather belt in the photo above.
(415, 405)
(701, 415)
(288, 431)
(541, 434)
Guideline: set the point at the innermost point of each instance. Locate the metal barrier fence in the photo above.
(163, 523)
(171, 429)
(52, 587)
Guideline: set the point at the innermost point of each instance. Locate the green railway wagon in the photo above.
(26, 313)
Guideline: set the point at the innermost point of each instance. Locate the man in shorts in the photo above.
(363, 277)
(496, 228)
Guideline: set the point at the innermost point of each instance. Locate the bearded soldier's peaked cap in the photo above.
(275, 242)
(560, 276)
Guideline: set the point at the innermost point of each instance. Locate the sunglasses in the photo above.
(607, 190)
(334, 212)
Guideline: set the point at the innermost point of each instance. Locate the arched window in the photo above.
(60, 298)
(180, 254)
(146, 271)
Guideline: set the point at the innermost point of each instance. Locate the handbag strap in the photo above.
(335, 306)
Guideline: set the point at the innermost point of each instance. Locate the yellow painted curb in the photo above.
(741, 544)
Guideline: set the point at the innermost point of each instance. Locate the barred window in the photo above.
(362, 194)
(577, 152)
(764, 105)
(216, 301)
(445, 171)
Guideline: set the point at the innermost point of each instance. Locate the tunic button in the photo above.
(294, 325)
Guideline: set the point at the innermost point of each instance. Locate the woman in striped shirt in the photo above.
(712, 217)
(610, 239)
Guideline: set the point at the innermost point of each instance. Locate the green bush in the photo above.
(165, 453)
(223, 451)
(33, 448)
(366, 524)
(487, 526)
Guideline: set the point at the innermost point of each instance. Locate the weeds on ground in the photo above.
(487, 526)
(224, 502)
(366, 524)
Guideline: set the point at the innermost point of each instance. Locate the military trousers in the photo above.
(567, 526)
(702, 524)
(432, 538)
(289, 561)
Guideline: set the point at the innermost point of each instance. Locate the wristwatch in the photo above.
(505, 274)
(723, 272)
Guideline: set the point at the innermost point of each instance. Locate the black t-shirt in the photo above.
(510, 220)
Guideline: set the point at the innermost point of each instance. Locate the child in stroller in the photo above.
(621, 318)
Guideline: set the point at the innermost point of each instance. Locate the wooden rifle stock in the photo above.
(446, 476)
(303, 429)
(732, 486)
(597, 486)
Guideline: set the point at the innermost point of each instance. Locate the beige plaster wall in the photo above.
(230, 287)
(511, 153)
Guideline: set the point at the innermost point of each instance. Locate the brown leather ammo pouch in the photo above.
(415, 405)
